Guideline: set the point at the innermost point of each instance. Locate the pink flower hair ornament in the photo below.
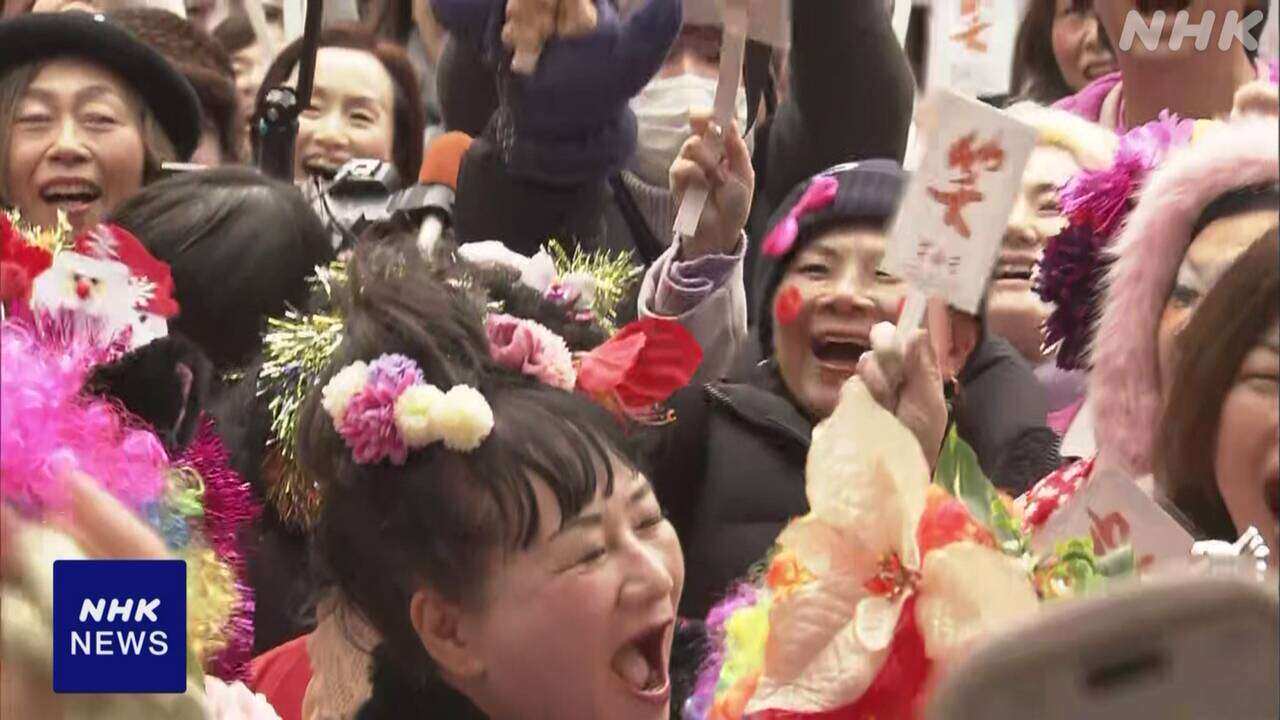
(819, 195)
(384, 408)
(531, 348)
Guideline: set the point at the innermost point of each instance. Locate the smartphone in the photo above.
(1164, 648)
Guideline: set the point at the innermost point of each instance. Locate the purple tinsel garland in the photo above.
(229, 507)
(1096, 204)
(704, 689)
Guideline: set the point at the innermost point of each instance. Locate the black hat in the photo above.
(867, 192)
(45, 36)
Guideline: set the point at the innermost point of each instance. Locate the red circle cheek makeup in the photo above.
(786, 306)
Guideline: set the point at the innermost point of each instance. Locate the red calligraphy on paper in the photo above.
(971, 35)
(971, 158)
(1110, 532)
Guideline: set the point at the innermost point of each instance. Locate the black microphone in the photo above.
(276, 130)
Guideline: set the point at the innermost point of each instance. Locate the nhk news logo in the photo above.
(1150, 32)
(119, 626)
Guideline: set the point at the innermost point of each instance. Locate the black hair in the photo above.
(386, 530)
(1263, 196)
(1036, 75)
(240, 246)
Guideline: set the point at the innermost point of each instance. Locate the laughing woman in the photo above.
(88, 115)
(492, 530)
(365, 104)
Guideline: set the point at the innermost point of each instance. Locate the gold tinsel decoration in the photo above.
(53, 240)
(211, 598)
(296, 349)
(615, 274)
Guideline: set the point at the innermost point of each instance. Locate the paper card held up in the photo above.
(947, 233)
(1113, 511)
(971, 45)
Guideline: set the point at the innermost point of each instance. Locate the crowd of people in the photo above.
(447, 421)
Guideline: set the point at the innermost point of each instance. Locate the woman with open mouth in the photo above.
(493, 530)
(730, 468)
(88, 115)
(1190, 82)
(365, 104)
(1066, 145)
(1218, 447)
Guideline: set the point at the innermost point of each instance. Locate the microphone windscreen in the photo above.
(442, 159)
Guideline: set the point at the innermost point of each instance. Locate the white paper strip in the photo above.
(732, 54)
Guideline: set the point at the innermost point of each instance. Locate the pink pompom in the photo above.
(369, 425)
(48, 425)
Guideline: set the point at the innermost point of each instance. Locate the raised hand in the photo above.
(719, 161)
(906, 381)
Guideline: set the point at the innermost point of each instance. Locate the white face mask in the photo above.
(662, 118)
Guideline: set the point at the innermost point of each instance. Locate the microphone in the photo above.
(432, 198)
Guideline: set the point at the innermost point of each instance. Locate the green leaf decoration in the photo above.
(960, 474)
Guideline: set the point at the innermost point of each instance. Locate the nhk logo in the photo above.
(1151, 31)
(124, 642)
(119, 626)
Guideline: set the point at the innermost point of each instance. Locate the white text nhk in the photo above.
(119, 642)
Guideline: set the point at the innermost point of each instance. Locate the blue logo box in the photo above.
(119, 626)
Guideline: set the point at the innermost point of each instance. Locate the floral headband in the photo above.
(384, 408)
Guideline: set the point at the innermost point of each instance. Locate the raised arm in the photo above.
(851, 93)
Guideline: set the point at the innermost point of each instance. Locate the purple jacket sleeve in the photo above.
(708, 297)
(470, 19)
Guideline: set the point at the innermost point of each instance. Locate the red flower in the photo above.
(641, 365)
(20, 263)
(946, 520)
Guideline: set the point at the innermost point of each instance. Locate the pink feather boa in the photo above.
(48, 426)
(1125, 382)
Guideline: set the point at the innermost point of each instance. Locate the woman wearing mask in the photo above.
(1217, 455)
(1190, 82)
(88, 115)
(365, 104)
(844, 59)
(1059, 50)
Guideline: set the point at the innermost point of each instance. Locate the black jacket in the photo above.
(730, 470)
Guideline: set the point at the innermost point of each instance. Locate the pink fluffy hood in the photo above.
(1124, 384)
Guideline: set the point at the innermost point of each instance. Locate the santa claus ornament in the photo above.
(109, 275)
